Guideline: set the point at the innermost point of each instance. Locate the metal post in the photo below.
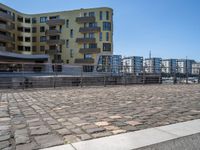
(186, 71)
(199, 76)
(82, 77)
(143, 75)
(23, 83)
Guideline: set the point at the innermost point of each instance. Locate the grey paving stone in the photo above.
(39, 130)
(4, 144)
(48, 140)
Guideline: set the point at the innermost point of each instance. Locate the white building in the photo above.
(196, 68)
(152, 65)
(169, 66)
(133, 64)
(184, 66)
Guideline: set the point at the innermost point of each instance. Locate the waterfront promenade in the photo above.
(40, 118)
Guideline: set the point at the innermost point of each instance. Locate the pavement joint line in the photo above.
(73, 146)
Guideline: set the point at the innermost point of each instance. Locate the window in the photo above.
(92, 45)
(106, 47)
(34, 39)
(67, 43)
(34, 20)
(43, 39)
(67, 61)
(88, 68)
(71, 53)
(28, 30)
(71, 33)
(27, 39)
(91, 14)
(42, 48)
(20, 48)
(54, 17)
(91, 35)
(20, 38)
(85, 14)
(84, 45)
(20, 29)
(101, 15)
(42, 29)
(43, 19)
(67, 23)
(34, 48)
(27, 20)
(87, 56)
(107, 36)
(106, 26)
(92, 24)
(107, 15)
(34, 29)
(20, 19)
(27, 48)
(100, 36)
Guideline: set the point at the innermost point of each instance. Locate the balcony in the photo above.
(6, 17)
(85, 19)
(89, 50)
(56, 41)
(55, 22)
(5, 27)
(5, 38)
(84, 61)
(52, 32)
(89, 29)
(85, 40)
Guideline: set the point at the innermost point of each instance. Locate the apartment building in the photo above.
(184, 66)
(195, 68)
(133, 64)
(152, 65)
(169, 66)
(79, 37)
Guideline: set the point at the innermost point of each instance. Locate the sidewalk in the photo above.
(184, 135)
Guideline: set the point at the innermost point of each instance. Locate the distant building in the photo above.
(152, 65)
(195, 68)
(184, 66)
(133, 64)
(169, 66)
(116, 64)
(112, 63)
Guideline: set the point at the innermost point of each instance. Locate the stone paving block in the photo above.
(29, 146)
(39, 130)
(4, 144)
(64, 131)
(48, 140)
(71, 139)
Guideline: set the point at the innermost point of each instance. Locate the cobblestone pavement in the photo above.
(40, 118)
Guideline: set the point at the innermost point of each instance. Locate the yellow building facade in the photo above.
(82, 37)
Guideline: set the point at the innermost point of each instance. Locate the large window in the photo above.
(107, 15)
(100, 15)
(27, 20)
(42, 29)
(106, 47)
(92, 45)
(91, 14)
(67, 23)
(43, 19)
(27, 39)
(71, 33)
(107, 36)
(71, 53)
(34, 20)
(100, 36)
(91, 35)
(43, 39)
(67, 43)
(34, 29)
(106, 26)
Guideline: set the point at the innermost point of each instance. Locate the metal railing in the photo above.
(38, 75)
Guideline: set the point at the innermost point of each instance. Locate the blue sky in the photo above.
(169, 28)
